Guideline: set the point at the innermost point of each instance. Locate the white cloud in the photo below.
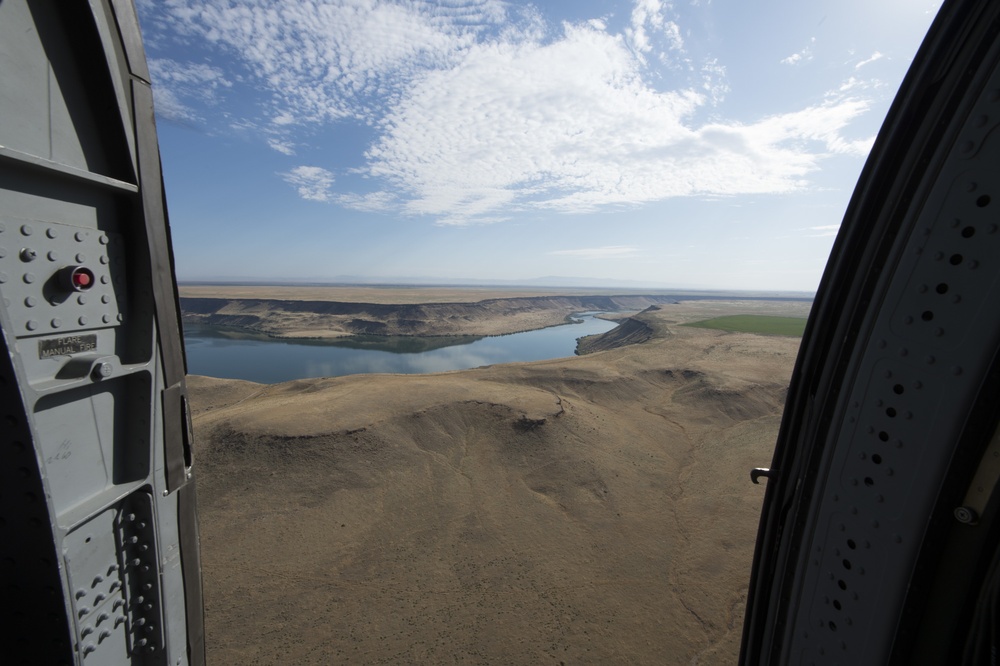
(479, 114)
(311, 182)
(805, 55)
(714, 81)
(824, 231)
(822, 123)
(875, 56)
(606, 252)
(649, 24)
(177, 85)
(283, 147)
(570, 125)
(169, 106)
(324, 60)
(371, 202)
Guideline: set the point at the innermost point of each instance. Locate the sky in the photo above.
(709, 144)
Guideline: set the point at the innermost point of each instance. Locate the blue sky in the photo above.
(698, 144)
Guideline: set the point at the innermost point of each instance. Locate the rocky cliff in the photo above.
(319, 319)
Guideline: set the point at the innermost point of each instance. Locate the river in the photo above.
(235, 354)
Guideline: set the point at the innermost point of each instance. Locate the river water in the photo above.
(234, 354)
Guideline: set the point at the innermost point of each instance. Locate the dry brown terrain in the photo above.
(299, 318)
(330, 312)
(593, 510)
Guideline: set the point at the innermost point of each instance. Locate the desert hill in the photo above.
(326, 319)
(331, 312)
(587, 510)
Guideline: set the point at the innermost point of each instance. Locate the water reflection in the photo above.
(238, 354)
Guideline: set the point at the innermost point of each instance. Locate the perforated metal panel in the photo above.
(933, 337)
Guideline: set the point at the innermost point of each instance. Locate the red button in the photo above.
(81, 279)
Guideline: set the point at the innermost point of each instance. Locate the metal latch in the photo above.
(758, 472)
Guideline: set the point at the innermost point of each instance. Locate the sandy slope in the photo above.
(332, 312)
(588, 510)
(331, 319)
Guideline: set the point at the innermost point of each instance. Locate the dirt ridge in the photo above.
(630, 331)
(495, 316)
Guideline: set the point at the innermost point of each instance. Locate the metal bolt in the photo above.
(51, 233)
(31, 301)
(29, 278)
(79, 236)
(27, 254)
(27, 229)
(53, 256)
(966, 515)
(102, 370)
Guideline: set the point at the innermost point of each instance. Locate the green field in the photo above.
(793, 326)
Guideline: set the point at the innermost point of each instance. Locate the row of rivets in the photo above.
(53, 232)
